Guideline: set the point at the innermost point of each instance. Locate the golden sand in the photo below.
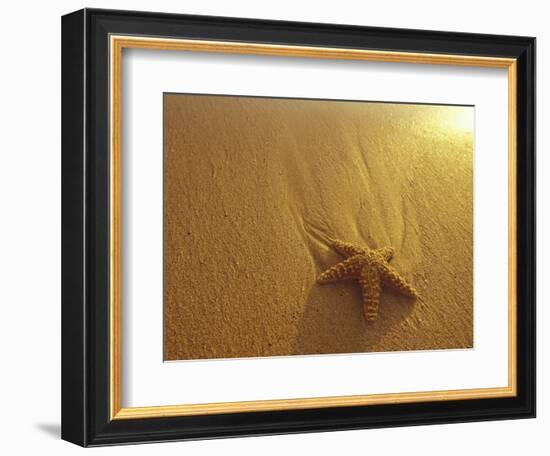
(255, 188)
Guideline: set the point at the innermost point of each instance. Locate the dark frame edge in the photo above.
(526, 213)
(319, 26)
(73, 306)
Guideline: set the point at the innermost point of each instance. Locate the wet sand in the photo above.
(255, 187)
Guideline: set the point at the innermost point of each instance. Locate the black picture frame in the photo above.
(85, 228)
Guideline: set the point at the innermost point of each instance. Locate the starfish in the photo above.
(371, 269)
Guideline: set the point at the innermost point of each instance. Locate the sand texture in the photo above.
(255, 188)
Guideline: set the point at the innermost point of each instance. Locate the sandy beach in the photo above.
(256, 187)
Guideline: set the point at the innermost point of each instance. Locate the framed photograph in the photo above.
(278, 227)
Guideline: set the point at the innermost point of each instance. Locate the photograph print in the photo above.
(306, 226)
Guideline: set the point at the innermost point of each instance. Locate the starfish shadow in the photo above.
(333, 321)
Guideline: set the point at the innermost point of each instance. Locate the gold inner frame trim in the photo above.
(117, 44)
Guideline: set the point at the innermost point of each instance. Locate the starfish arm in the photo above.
(347, 269)
(386, 252)
(370, 286)
(346, 249)
(393, 280)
